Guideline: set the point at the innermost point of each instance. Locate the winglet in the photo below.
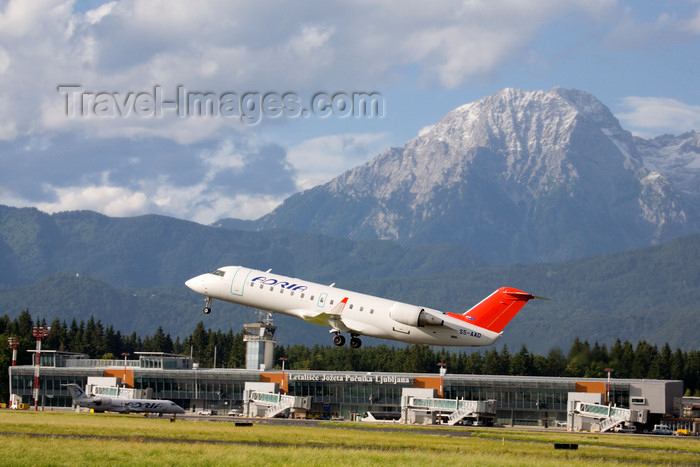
(338, 309)
(495, 311)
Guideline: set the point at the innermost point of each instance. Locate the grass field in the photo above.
(66, 438)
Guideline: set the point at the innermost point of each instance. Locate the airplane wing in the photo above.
(324, 319)
(327, 318)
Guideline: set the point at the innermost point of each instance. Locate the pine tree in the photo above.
(644, 355)
(521, 364)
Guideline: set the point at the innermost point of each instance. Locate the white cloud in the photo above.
(223, 157)
(318, 160)
(206, 200)
(96, 15)
(200, 204)
(235, 177)
(110, 200)
(311, 40)
(692, 24)
(197, 203)
(4, 61)
(631, 29)
(652, 116)
(206, 168)
(20, 18)
(425, 130)
(8, 128)
(132, 46)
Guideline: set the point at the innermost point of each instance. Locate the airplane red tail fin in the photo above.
(496, 310)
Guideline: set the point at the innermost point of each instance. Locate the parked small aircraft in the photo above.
(122, 405)
(360, 314)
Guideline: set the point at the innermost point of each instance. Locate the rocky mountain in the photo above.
(677, 158)
(519, 176)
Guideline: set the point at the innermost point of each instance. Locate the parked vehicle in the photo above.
(662, 430)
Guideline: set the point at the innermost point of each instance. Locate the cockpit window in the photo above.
(218, 272)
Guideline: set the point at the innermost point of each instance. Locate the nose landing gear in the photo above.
(207, 305)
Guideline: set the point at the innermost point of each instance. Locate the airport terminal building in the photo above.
(537, 401)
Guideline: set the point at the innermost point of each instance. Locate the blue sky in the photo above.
(641, 59)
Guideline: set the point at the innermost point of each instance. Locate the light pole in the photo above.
(609, 370)
(442, 373)
(39, 332)
(283, 359)
(14, 344)
(124, 354)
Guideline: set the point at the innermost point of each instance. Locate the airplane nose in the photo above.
(196, 284)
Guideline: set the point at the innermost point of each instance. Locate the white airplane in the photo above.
(360, 314)
(122, 405)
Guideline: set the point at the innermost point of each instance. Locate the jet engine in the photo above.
(414, 316)
(101, 402)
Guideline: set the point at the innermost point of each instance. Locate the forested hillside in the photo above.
(648, 294)
(148, 251)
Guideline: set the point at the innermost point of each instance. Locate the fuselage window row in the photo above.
(311, 298)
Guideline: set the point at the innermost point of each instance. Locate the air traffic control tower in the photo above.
(260, 345)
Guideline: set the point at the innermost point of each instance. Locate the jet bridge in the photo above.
(261, 402)
(588, 416)
(416, 408)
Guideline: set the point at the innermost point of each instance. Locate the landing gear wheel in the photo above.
(355, 343)
(207, 305)
(207, 310)
(339, 340)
